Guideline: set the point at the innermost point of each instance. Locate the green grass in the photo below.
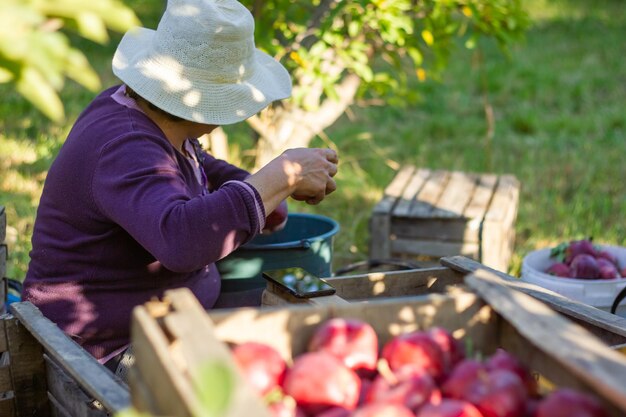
(560, 127)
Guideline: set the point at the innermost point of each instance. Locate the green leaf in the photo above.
(214, 387)
(79, 70)
(91, 26)
(34, 87)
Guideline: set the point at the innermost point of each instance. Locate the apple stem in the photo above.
(386, 372)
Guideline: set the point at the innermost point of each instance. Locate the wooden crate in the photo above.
(435, 213)
(44, 373)
(492, 315)
(610, 328)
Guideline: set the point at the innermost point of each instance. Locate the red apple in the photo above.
(566, 402)
(584, 266)
(605, 254)
(383, 410)
(502, 359)
(417, 351)
(404, 387)
(261, 365)
(277, 219)
(607, 269)
(559, 269)
(462, 377)
(453, 349)
(449, 408)
(318, 380)
(501, 394)
(577, 247)
(353, 341)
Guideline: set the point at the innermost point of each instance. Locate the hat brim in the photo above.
(185, 93)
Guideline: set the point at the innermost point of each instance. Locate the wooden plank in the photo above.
(426, 200)
(434, 248)
(3, 224)
(608, 327)
(7, 404)
(5, 378)
(65, 393)
(577, 351)
(27, 369)
(394, 190)
(483, 192)
(4, 344)
(172, 393)
(92, 376)
(380, 221)
(498, 220)
(403, 206)
(457, 194)
(394, 283)
(3, 268)
(454, 230)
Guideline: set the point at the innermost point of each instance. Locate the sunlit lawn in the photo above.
(560, 127)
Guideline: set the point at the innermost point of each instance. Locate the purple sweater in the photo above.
(122, 218)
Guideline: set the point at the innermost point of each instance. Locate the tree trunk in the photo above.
(285, 128)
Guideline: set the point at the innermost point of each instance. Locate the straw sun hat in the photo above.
(201, 63)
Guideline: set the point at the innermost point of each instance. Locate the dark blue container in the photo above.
(306, 242)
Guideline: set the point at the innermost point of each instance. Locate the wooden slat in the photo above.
(4, 344)
(455, 230)
(3, 269)
(577, 351)
(27, 369)
(94, 378)
(171, 392)
(7, 404)
(394, 190)
(608, 327)
(457, 194)
(483, 192)
(66, 395)
(394, 283)
(3, 224)
(5, 378)
(426, 200)
(403, 207)
(380, 221)
(434, 248)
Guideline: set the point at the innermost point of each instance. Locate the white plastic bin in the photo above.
(598, 293)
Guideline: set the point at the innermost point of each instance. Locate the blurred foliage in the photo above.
(385, 42)
(36, 54)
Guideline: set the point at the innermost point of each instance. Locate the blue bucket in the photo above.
(306, 242)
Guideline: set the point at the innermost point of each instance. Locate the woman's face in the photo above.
(195, 129)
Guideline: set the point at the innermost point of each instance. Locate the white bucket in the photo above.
(598, 293)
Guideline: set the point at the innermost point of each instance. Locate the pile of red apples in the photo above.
(417, 374)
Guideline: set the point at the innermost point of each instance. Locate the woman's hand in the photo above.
(310, 173)
(305, 174)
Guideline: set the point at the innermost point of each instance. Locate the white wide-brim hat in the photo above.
(201, 63)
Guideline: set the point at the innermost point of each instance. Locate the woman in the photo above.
(132, 206)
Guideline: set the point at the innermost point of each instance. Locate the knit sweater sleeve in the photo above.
(139, 185)
(219, 171)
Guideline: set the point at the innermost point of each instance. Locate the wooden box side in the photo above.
(384, 284)
(380, 220)
(71, 381)
(497, 232)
